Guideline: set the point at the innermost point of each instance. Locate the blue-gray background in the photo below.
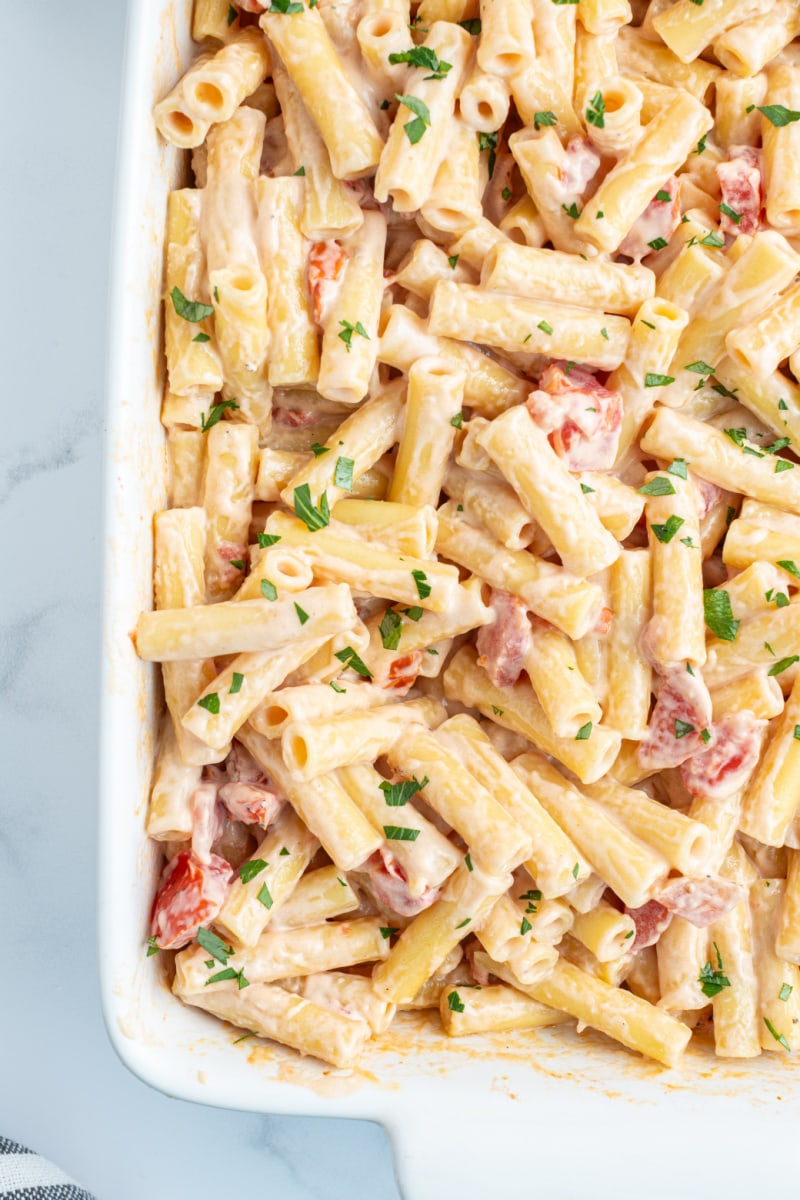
(62, 1090)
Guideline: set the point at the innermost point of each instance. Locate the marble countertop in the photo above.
(64, 1092)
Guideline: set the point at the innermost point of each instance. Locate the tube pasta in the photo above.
(213, 88)
(407, 167)
(246, 914)
(553, 856)
(632, 872)
(179, 544)
(532, 464)
(548, 491)
(311, 61)
(425, 943)
(518, 709)
(322, 804)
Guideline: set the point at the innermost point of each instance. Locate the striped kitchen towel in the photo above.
(25, 1176)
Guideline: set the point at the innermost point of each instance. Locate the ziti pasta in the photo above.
(478, 595)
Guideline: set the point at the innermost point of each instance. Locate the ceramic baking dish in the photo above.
(550, 1114)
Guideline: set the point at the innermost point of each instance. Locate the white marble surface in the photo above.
(63, 1091)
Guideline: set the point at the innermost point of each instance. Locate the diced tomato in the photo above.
(581, 165)
(481, 976)
(681, 715)
(650, 920)
(581, 418)
(403, 672)
(709, 495)
(325, 271)
(740, 185)
(657, 223)
(208, 820)
(604, 622)
(229, 553)
(502, 646)
(727, 762)
(241, 767)
(251, 803)
(389, 886)
(190, 895)
(294, 418)
(701, 902)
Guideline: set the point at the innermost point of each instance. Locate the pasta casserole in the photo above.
(477, 597)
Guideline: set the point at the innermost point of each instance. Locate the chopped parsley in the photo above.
(214, 945)
(657, 487)
(454, 1002)
(350, 659)
(730, 213)
(488, 141)
(152, 946)
(190, 310)
(249, 870)
(424, 57)
(783, 664)
(452, 261)
(399, 833)
(785, 992)
(390, 629)
(268, 590)
(201, 337)
(210, 703)
(421, 580)
(778, 115)
(343, 475)
(584, 733)
(302, 615)
(215, 414)
(789, 565)
(658, 243)
(398, 794)
(264, 896)
(348, 329)
(543, 119)
(237, 680)
(653, 380)
(545, 328)
(571, 210)
(415, 129)
(229, 973)
(682, 728)
(678, 468)
(457, 421)
(386, 931)
(778, 1036)
(313, 518)
(719, 614)
(712, 981)
(666, 532)
(595, 113)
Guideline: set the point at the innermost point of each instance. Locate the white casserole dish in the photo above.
(549, 1113)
